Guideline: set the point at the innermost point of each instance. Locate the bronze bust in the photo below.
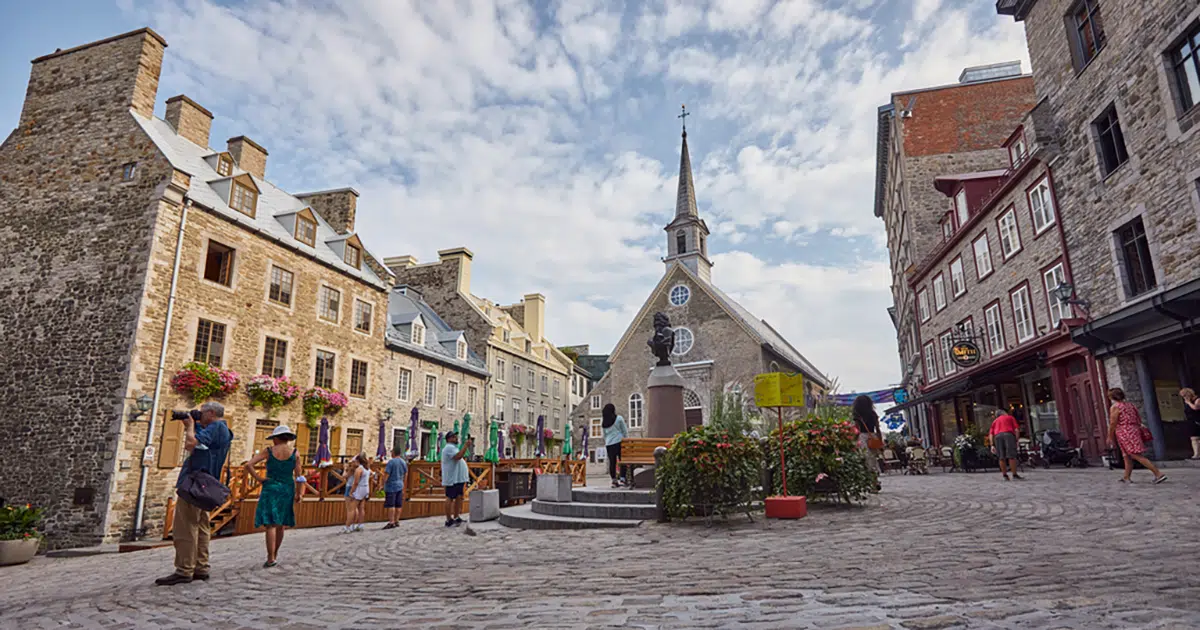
(663, 340)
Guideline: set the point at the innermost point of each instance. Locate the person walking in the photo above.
(1191, 413)
(393, 488)
(207, 446)
(455, 476)
(867, 423)
(358, 484)
(1125, 430)
(615, 430)
(280, 489)
(1004, 433)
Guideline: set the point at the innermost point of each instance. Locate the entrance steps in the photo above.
(589, 508)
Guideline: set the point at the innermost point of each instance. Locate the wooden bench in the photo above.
(640, 451)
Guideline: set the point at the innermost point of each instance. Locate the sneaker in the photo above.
(449, 523)
(173, 579)
(458, 520)
(345, 530)
(269, 563)
(388, 526)
(1016, 476)
(1160, 479)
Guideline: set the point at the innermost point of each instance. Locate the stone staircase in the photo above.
(589, 508)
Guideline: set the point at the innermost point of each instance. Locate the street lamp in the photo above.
(143, 404)
(1065, 292)
(387, 414)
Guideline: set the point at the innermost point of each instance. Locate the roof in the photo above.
(685, 198)
(440, 339)
(273, 203)
(946, 183)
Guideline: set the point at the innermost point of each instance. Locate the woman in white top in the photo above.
(615, 430)
(359, 484)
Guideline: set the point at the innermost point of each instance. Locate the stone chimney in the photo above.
(461, 257)
(337, 207)
(249, 155)
(189, 119)
(94, 83)
(535, 316)
(399, 263)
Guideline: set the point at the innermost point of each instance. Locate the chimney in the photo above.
(189, 119)
(397, 263)
(461, 256)
(89, 84)
(249, 155)
(535, 316)
(337, 207)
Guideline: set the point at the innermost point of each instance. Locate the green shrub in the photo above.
(709, 470)
(822, 455)
(19, 522)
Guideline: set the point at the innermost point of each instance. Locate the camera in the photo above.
(194, 414)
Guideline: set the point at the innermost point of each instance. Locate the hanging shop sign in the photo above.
(964, 353)
(900, 395)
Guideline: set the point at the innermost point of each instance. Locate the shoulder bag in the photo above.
(203, 490)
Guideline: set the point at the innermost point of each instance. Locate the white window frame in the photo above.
(691, 341)
(498, 407)
(923, 305)
(985, 255)
(516, 410)
(1041, 206)
(930, 361)
(472, 398)
(939, 292)
(597, 403)
(945, 341)
(461, 350)
(994, 321)
(430, 379)
(1010, 234)
(532, 378)
(958, 277)
(1051, 278)
(597, 427)
(637, 410)
(451, 395)
(961, 211)
(1023, 316)
(679, 295)
(501, 367)
(557, 388)
(417, 336)
(1017, 151)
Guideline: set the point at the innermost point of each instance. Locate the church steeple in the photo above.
(687, 234)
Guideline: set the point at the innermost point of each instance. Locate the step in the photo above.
(523, 517)
(618, 496)
(578, 509)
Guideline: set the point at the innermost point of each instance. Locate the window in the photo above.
(546, 353)
(1110, 140)
(597, 428)
(362, 316)
(595, 402)
(507, 336)
(404, 387)
(516, 377)
(930, 362)
(274, 357)
(353, 256)
(1059, 309)
(1088, 35)
(499, 370)
(557, 385)
(947, 229)
(243, 199)
(329, 303)
(210, 343)
(417, 336)
(1135, 258)
(354, 442)
(529, 346)
(1010, 238)
(516, 417)
(948, 366)
(1022, 315)
(680, 295)
(306, 230)
(128, 172)
(1041, 204)
(1017, 151)
(939, 292)
(358, 378)
(472, 394)
(451, 395)
(683, 341)
(995, 329)
(1185, 60)
(574, 386)
(960, 207)
(224, 165)
(323, 374)
(281, 286)
(430, 390)
(532, 380)
(498, 408)
(557, 419)
(218, 264)
(923, 304)
(983, 257)
(460, 350)
(681, 242)
(532, 419)
(637, 411)
(545, 384)
(958, 281)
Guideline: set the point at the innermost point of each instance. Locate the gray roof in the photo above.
(441, 341)
(273, 203)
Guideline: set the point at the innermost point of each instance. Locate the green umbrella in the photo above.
(566, 447)
(492, 454)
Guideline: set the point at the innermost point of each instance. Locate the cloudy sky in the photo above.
(543, 135)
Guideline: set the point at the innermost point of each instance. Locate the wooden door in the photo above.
(262, 431)
(354, 442)
(1085, 423)
(306, 442)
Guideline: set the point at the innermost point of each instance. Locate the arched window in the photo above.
(680, 242)
(637, 411)
(774, 367)
(691, 400)
(683, 341)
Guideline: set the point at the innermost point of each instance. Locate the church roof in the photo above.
(685, 199)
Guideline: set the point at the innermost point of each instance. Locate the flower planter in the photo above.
(18, 551)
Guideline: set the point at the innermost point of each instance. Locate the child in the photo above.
(354, 475)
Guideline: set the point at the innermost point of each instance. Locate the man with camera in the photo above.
(206, 439)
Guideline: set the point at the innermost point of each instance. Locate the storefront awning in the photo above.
(1008, 366)
(1167, 316)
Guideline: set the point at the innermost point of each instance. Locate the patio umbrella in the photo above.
(583, 452)
(491, 455)
(441, 444)
(413, 431)
(567, 450)
(381, 452)
(541, 436)
(499, 443)
(456, 430)
(466, 427)
(323, 458)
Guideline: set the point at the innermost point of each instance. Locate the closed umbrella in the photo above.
(466, 428)
(541, 435)
(567, 450)
(441, 444)
(413, 431)
(381, 452)
(491, 454)
(499, 443)
(583, 452)
(323, 458)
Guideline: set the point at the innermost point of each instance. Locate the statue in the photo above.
(663, 340)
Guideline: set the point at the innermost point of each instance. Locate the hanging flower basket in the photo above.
(548, 434)
(319, 401)
(270, 392)
(201, 382)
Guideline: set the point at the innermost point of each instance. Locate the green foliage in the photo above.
(709, 470)
(571, 354)
(730, 413)
(19, 522)
(822, 455)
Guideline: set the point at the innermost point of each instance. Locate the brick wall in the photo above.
(965, 117)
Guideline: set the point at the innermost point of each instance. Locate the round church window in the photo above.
(683, 341)
(680, 295)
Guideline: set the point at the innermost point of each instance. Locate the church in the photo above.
(719, 345)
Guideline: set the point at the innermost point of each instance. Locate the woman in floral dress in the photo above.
(1125, 430)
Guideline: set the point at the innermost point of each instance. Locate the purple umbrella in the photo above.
(324, 458)
(500, 445)
(541, 443)
(583, 452)
(381, 452)
(412, 435)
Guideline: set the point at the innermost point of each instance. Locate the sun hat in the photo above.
(282, 431)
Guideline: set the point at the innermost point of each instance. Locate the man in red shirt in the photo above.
(1004, 442)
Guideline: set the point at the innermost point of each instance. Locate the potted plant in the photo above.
(19, 538)
(270, 392)
(319, 401)
(201, 382)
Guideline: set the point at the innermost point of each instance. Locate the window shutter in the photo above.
(170, 448)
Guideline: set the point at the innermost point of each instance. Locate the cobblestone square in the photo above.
(1064, 549)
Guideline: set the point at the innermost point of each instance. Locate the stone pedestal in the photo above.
(555, 488)
(485, 505)
(664, 402)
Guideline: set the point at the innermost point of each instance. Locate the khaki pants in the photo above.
(191, 533)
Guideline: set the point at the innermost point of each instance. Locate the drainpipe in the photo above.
(138, 529)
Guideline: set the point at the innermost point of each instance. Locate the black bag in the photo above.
(203, 490)
(1116, 460)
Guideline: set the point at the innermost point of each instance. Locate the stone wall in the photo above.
(337, 207)
(68, 313)
(441, 412)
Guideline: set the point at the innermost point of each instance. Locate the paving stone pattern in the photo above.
(1064, 549)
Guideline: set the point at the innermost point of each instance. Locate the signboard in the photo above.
(964, 353)
(900, 395)
(778, 389)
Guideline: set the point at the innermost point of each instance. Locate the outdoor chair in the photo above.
(890, 461)
(917, 462)
(947, 458)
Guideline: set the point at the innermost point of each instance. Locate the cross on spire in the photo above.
(683, 116)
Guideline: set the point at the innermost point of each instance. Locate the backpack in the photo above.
(203, 490)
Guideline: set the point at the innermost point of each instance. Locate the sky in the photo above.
(544, 135)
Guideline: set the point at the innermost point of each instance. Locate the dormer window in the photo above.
(507, 336)
(353, 256)
(461, 350)
(224, 165)
(306, 230)
(960, 207)
(529, 346)
(418, 333)
(243, 199)
(1017, 151)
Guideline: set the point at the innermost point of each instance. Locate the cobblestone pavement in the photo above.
(1064, 549)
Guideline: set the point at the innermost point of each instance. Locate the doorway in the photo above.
(1082, 415)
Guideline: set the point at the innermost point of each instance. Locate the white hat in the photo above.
(282, 431)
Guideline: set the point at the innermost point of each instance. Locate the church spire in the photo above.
(685, 199)
(687, 235)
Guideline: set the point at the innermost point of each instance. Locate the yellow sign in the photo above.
(778, 389)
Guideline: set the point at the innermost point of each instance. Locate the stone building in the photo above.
(529, 375)
(719, 345)
(131, 248)
(921, 134)
(1119, 82)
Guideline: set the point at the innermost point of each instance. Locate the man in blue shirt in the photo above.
(396, 470)
(455, 476)
(207, 446)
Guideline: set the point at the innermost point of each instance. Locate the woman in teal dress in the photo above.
(280, 488)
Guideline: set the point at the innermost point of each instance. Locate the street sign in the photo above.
(779, 389)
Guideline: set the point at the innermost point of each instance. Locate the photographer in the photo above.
(455, 476)
(206, 439)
